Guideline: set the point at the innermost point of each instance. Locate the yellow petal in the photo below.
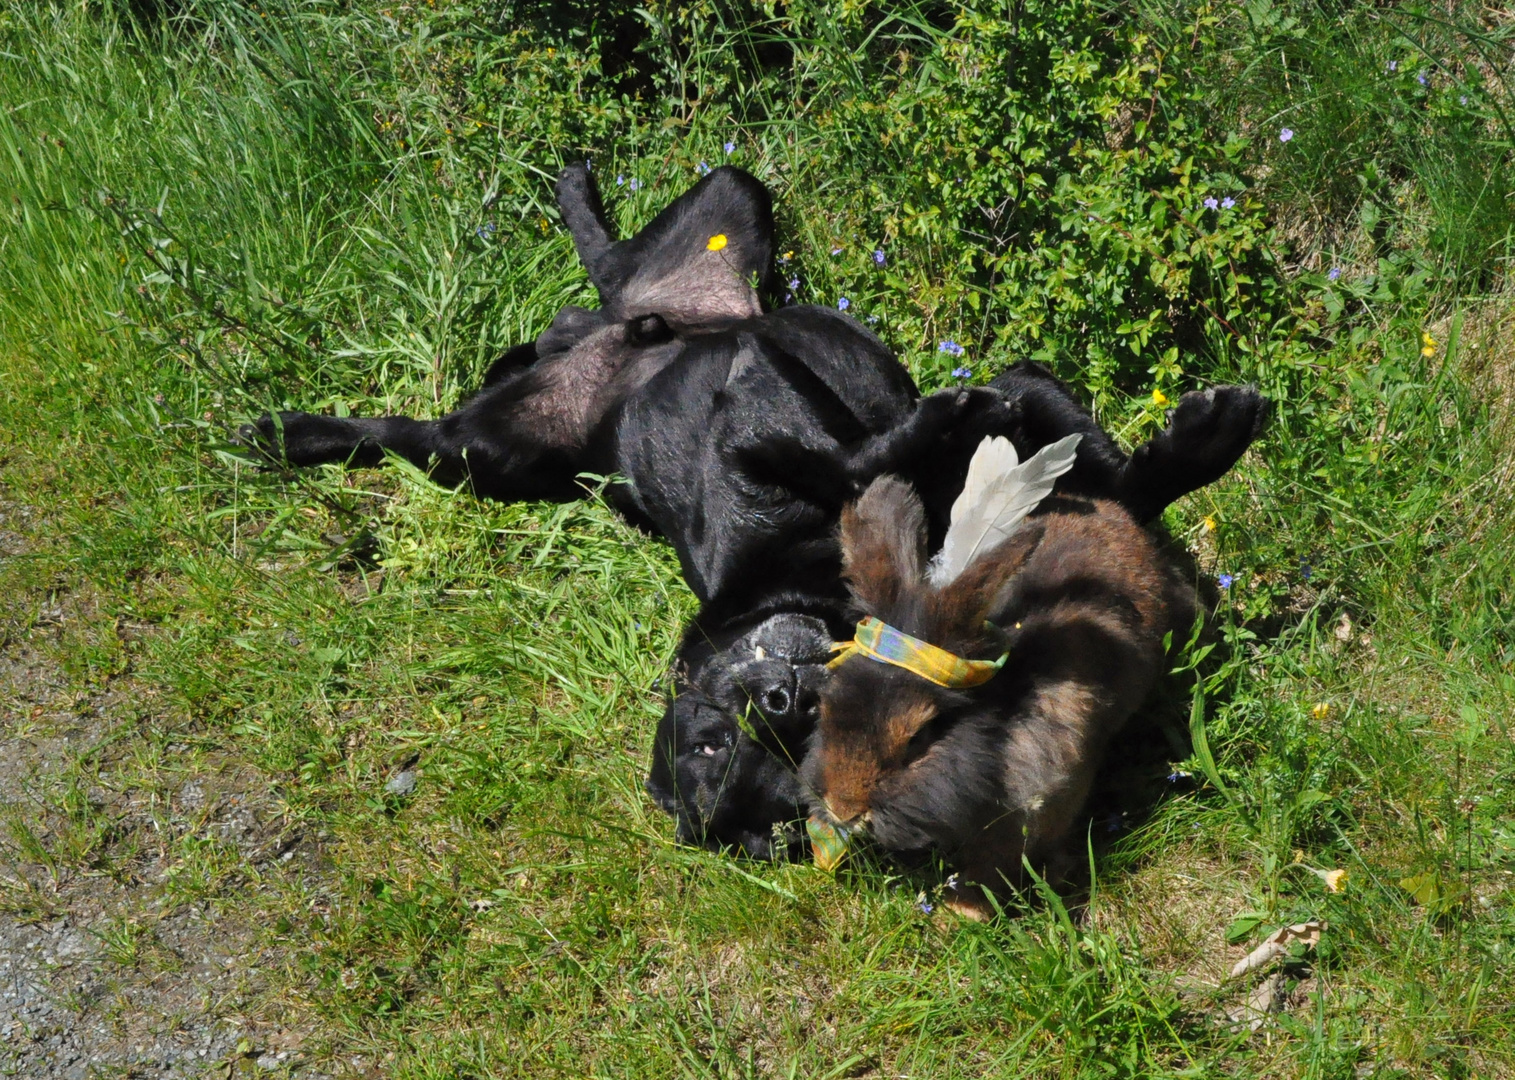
(1159, 398)
(1429, 350)
(1336, 880)
(1322, 710)
(716, 242)
(1209, 523)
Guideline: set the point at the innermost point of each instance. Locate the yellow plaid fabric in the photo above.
(879, 641)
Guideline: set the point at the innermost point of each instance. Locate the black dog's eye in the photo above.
(648, 330)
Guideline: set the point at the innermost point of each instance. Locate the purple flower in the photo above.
(878, 257)
(951, 348)
(1421, 78)
(1227, 203)
(634, 184)
(962, 373)
(484, 231)
(924, 907)
(619, 180)
(730, 147)
(1463, 99)
(836, 251)
(794, 284)
(1212, 203)
(843, 304)
(1224, 581)
(1176, 775)
(1333, 273)
(1286, 134)
(702, 168)
(1393, 65)
(1305, 571)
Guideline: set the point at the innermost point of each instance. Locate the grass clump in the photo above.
(211, 209)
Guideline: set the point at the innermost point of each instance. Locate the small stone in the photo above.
(267, 1061)
(402, 783)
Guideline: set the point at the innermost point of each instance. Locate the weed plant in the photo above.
(214, 208)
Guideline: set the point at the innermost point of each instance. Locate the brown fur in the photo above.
(883, 541)
(999, 772)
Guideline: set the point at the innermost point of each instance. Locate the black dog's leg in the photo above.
(932, 448)
(584, 214)
(1207, 433)
(1048, 411)
(310, 439)
(500, 455)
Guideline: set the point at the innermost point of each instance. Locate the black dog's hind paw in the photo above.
(263, 441)
(1207, 434)
(299, 439)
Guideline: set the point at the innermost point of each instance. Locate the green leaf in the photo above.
(1202, 744)
(1243, 926)
(1434, 892)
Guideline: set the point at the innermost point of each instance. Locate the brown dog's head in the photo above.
(883, 728)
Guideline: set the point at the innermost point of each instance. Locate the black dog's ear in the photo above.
(696, 264)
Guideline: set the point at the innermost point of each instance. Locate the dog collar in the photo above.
(879, 641)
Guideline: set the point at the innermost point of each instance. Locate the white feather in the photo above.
(998, 494)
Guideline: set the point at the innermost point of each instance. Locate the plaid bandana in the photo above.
(879, 641)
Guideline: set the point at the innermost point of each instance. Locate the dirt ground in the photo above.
(123, 950)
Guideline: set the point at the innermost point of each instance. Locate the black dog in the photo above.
(741, 434)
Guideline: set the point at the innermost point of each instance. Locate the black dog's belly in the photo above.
(740, 452)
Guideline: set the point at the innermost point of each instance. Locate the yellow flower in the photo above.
(1322, 710)
(1209, 523)
(1336, 880)
(1159, 398)
(716, 242)
(1428, 345)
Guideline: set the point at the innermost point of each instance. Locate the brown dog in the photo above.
(1077, 599)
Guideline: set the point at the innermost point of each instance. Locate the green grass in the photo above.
(347, 206)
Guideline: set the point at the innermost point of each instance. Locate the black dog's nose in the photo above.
(770, 686)
(776, 700)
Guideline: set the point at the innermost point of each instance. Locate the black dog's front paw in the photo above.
(967, 412)
(1207, 434)
(1215, 425)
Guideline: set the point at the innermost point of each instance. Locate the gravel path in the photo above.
(110, 964)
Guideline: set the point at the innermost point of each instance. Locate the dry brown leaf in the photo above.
(1269, 996)
(1278, 943)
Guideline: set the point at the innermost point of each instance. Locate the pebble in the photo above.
(402, 783)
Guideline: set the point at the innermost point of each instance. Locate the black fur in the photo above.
(741, 434)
